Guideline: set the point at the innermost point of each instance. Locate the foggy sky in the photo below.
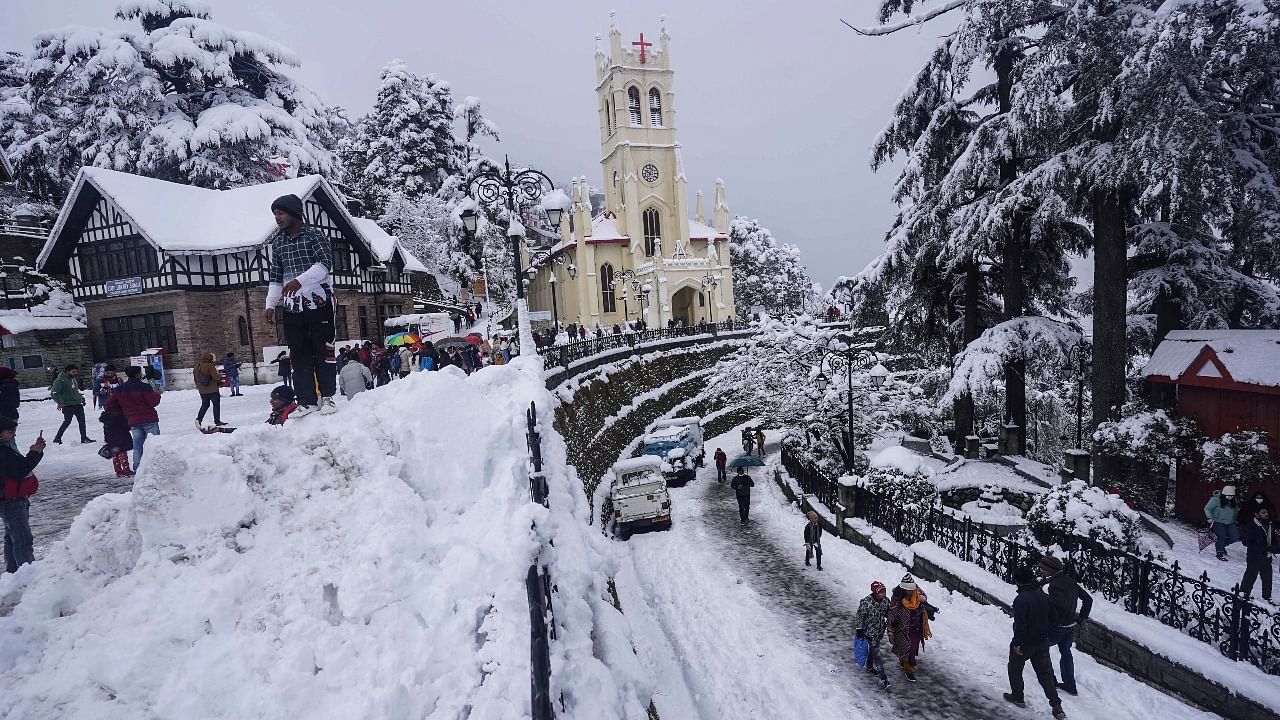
(779, 99)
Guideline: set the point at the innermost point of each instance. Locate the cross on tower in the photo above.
(642, 45)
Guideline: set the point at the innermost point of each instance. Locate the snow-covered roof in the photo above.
(16, 324)
(188, 219)
(676, 421)
(703, 232)
(385, 244)
(6, 170)
(644, 462)
(1249, 357)
(605, 227)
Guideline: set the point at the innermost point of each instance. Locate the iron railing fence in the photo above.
(542, 629)
(573, 351)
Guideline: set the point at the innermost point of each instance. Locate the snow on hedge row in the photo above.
(367, 564)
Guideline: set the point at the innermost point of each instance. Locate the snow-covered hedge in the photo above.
(1076, 509)
(1240, 459)
(900, 489)
(1147, 437)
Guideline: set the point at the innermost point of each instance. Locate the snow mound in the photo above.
(368, 564)
(897, 457)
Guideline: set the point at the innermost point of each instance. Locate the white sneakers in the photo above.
(303, 411)
(326, 406)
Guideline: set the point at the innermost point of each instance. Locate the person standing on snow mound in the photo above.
(1031, 615)
(299, 275)
(742, 485)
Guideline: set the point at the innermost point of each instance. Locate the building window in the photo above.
(340, 324)
(608, 303)
(362, 319)
(280, 327)
(633, 105)
(655, 107)
(130, 335)
(394, 268)
(652, 231)
(702, 299)
(243, 326)
(608, 114)
(341, 257)
(32, 362)
(110, 259)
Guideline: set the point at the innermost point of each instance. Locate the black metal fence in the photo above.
(542, 628)
(563, 355)
(1239, 628)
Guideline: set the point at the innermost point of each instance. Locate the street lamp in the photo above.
(514, 190)
(709, 283)
(840, 352)
(555, 306)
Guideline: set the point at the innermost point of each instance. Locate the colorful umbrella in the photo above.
(475, 339)
(403, 338)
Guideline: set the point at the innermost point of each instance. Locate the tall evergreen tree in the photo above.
(765, 273)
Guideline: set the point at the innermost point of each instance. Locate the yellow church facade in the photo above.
(642, 256)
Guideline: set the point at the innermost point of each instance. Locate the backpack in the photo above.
(395, 363)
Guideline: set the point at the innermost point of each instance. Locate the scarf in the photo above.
(913, 602)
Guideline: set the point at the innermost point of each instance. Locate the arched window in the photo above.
(607, 301)
(655, 107)
(652, 231)
(608, 116)
(244, 330)
(633, 104)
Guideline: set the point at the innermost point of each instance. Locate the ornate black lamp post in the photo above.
(709, 283)
(515, 191)
(840, 352)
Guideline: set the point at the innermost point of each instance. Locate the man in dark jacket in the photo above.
(1258, 537)
(721, 461)
(15, 507)
(813, 539)
(65, 391)
(10, 397)
(1031, 641)
(742, 485)
(1064, 593)
(137, 401)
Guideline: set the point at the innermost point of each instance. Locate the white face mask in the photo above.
(1258, 500)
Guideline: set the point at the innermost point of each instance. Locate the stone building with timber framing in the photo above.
(163, 265)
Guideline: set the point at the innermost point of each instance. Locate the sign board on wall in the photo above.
(539, 315)
(122, 286)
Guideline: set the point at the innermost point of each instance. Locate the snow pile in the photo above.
(901, 459)
(1077, 509)
(369, 564)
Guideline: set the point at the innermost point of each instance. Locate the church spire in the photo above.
(698, 215)
(721, 209)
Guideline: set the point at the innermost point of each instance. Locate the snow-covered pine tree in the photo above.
(765, 273)
(188, 100)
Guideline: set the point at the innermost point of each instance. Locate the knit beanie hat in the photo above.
(291, 204)
(1051, 564)
(8, 423)
(877, 587)
(908, 583)
(283, 393)
(1229, 490)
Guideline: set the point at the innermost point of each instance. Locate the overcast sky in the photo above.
(780, 100)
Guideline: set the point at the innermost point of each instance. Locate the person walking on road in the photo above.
(869, 625)
(206, 377)
(118, 441)
(813, 539)
(1031, 613)
(759, 437)
(138, 401)
(722, 461)
(66, 393)
(1221, 512)
(299, 279)
(1260, 541)
(406, 361)
(1257, 500)
(354, 378)
(908, 625)
(231, 366)
(748, 440)
(742, 485)
(15, 504)
(1064, 593)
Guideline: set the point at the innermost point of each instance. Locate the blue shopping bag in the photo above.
(861, 649)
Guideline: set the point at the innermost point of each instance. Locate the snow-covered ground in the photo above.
(366, 564)
(730, 623)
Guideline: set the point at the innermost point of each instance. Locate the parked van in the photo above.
(639, 495)
(678, 441)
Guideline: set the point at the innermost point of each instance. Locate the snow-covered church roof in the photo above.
(385, 245)
(187, 219)
(1246, 357)
(605, 227)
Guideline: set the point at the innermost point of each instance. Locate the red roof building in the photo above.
(1227, 381)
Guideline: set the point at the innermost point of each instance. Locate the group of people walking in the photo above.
(1251, 524)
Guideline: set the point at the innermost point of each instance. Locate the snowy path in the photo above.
(731, 623)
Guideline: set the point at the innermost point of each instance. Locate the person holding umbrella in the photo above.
(742, 485)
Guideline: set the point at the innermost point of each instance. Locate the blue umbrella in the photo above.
(746, 461)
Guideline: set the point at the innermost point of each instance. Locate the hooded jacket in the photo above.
(66, 390)
(206, 375)
(354, 378)
(1215, 511)
(137, 400)
(1031, 618)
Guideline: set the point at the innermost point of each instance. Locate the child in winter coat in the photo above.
(118, 441)
(870, 626)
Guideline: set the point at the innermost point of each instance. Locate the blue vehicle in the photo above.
(678, 442)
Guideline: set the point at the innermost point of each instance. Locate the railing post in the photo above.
(968, 539)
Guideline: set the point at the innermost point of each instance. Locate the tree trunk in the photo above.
(963, 407)
(1015, 380)
(1110, 283)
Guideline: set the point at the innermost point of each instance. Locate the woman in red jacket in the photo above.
(137, 401)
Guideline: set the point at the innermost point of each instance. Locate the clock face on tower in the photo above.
(649, 173)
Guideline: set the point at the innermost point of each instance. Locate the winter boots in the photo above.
(1018, 700)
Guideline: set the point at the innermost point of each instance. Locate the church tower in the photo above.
(644, 178)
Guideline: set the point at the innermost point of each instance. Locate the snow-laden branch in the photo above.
(980, 366)
(911, 21)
